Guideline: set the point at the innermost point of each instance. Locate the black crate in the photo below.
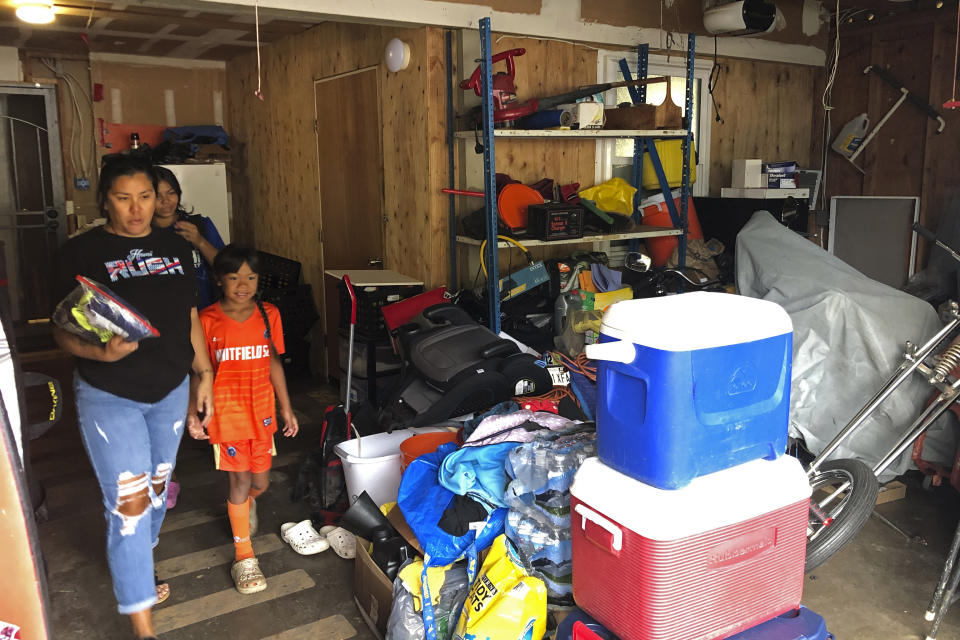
(278, 273)
(296, 358)
(297, 309)
(370, 300)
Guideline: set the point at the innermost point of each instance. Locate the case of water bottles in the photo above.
(691, 384)
(714, 558)
(538, 495)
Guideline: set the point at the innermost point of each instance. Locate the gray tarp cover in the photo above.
(849, 333)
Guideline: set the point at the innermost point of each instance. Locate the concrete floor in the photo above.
(876, 588)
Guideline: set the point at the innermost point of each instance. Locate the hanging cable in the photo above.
(715, 72)
(256, 15)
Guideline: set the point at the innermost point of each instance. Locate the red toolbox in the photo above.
(714, 558)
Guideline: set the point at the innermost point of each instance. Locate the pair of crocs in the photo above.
(305, 540)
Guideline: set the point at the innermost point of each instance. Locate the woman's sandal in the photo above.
(247, 576)
(163, 589)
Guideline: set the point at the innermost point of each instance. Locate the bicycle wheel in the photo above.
(832, 526)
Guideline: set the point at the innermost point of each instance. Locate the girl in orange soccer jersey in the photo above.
(244, 339)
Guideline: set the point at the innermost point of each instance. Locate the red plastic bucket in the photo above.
(656, 214)
(416, 446)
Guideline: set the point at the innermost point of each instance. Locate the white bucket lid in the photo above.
(699, 320)
(709, 502)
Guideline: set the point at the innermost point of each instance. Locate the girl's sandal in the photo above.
(163, 589)
(247, 576)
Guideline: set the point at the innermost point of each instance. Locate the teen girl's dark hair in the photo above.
(165, 175)
(229, 260)
(116, 167)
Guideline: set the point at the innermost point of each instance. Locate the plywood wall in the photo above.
(766, 112)
(76, 132)
(142, 88)
(907, 157)
(277, 204)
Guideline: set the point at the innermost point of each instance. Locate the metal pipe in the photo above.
(921, 424)
(13, 158)
(903, 372)
(43, 178)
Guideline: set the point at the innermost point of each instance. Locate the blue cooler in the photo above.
(801, 624)
(691, 384)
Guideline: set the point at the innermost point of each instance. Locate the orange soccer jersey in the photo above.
(243, 396)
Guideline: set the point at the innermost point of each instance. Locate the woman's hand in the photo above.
(189, 232)
(117, 348)
(204, 397)
(290, 425)
(195, 428)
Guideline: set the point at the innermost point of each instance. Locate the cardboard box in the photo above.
(747, 173)
(372, 590)
(395, 516)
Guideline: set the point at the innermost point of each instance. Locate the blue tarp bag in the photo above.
(422, 500)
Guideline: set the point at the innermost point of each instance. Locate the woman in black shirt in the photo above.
(132, 397)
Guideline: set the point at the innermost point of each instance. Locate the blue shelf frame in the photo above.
(642, 145)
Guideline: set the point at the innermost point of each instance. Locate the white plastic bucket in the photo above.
(378, 470)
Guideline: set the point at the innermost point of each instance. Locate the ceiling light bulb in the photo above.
(36, 11)
(940, 4)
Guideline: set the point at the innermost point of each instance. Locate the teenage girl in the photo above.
(244, 339)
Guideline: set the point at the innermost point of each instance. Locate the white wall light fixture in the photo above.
(36, 11)
(397, 55)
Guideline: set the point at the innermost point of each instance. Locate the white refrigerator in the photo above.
(205, 192)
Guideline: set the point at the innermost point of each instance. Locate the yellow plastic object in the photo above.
(671, 157)
(613, 196)
(600, 301)
(504, 602)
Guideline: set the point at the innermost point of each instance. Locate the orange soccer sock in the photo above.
(240, 525)
(256, 493)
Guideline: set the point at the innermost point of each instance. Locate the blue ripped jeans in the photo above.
(133, 448)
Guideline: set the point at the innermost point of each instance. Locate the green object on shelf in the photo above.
(592, 207)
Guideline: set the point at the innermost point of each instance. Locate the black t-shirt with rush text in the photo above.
(154, 274)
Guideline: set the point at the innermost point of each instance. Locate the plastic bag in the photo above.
(406, 621)
(96, 314)
(505, 603)
(614, 196)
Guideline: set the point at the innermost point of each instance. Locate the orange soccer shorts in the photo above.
(244, 455)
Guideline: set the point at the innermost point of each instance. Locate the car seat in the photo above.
(454, 366)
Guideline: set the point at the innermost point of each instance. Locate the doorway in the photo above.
(32, 200)
(350, 163)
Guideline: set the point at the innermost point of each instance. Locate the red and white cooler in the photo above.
(718, 556)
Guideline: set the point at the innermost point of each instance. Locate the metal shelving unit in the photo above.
(644, 145)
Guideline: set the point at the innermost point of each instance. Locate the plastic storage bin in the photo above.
(370, 301)
(691, 384)
(671, 157)
(372, 463)
(707, 561)
(801, 624)
(374, 390)
(278, 273)
(385, 360)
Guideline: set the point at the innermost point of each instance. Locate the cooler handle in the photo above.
(616, 351)
(594, 517)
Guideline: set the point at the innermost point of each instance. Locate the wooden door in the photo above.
(350, 170)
